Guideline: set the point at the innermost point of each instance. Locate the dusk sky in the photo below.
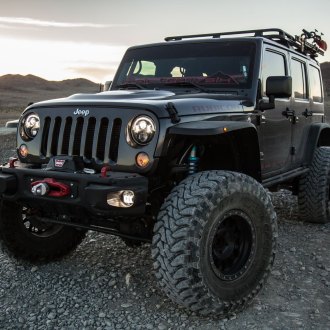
(80, 38)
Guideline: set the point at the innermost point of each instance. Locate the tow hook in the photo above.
(12, 161)
(104, 171)
(50, 187)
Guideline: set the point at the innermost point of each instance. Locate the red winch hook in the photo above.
(50, 187)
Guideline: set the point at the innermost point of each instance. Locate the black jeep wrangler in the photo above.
(178, 152)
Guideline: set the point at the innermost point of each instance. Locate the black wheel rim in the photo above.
(232, 245)
(34, 226)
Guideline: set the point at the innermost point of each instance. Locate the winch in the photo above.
(50, 187)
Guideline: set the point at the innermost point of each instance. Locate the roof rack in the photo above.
(298, 43)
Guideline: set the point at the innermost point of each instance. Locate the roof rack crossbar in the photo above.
(275, 34)
(256, 33)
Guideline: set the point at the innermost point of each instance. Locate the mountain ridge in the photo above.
(16, 90)
(9, 81)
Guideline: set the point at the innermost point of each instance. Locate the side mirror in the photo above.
(279, 86)
(276, 87)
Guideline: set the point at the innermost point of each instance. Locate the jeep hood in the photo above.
(153, 100)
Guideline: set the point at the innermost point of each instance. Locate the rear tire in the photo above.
(214, 242)
(313, 196)
(32, 240)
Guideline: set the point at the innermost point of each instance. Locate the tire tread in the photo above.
(176, 237)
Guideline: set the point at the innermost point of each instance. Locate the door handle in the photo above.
(288, 113)
(307, 113)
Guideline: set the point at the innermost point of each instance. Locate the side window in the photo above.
(273, 65)
(298, 74)
(315, 83)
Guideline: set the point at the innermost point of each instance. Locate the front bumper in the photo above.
(88, 192)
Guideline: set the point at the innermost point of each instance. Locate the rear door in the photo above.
(301, 107)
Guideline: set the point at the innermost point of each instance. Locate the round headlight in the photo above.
(31, 125)
(142, 130)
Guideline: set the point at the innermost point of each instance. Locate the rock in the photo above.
(324, 273)
(276, 273)
(126, 305)
(51, 316)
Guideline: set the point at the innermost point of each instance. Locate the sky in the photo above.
(64, 39)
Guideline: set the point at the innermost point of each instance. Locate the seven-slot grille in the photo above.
(91, 138)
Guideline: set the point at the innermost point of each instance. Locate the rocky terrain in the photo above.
(105, 285)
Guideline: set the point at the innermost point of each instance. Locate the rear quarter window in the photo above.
(315, 84)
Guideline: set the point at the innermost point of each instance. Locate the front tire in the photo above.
(214, 242)
(24, 237)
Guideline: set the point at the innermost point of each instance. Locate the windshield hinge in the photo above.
(171, 109)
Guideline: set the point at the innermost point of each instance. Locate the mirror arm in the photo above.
(267, 106)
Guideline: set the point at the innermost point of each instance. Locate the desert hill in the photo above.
(11, 82)
(16, 91)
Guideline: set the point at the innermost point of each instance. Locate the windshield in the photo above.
(214, 65)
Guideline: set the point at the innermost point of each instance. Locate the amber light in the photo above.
(142, 159)
(23, 150)
(225, 129)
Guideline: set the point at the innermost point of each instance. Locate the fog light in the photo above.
(122, 198)
(23, 150)
(142, 159)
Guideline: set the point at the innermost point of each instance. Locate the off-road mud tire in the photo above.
(313, 196)
(19, 243)
(182, 241)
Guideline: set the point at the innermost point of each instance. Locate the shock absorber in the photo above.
(193, 161)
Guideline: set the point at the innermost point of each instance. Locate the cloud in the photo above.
(95, 73)
(40, 23)
(42, 58)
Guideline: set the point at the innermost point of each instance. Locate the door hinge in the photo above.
(261, 119)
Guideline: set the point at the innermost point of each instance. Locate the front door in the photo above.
(276, 124)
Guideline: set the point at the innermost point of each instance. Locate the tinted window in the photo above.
(273, 65)
(298, 74)
(216, 64)
(315, 83)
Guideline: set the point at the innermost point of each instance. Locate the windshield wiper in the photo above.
(188, 84)
(130, 85)
(223, 75)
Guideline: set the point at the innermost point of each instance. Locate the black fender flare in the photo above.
(318, 135)
(244, 133)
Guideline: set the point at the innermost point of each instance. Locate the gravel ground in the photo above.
(105, 285)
